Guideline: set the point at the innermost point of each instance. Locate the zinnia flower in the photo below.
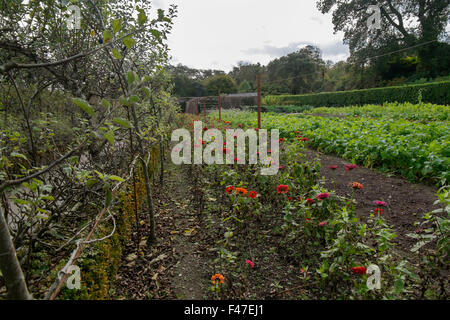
(217, 278)
(356, 185)
(304, 139)
(359, 270)
(323, 196)
(250, 263)
(380, 203)
(349, 167)
(282, 188)
(378, 211)
(281, 139)
(229, 189)
(333, 167)
(323, 223)
(309, 201)
(205, 128)
(241, 191)
(252, 194)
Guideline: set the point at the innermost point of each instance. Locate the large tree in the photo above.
(404, 23)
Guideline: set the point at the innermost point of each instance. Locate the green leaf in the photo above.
(91, 182)
(117, 25)
(134, 99)
(83, 104)
(160, 14)
(131, 77)
(107, 36)
(129, 42)
(146, 91)
(100, 175)
(122, 122)
(156, 33)
(116, 178)
(21, 202)
(110, 137)
(123, 101)
(142, 17)
(116, 54)
(106, 103)
(18, 155)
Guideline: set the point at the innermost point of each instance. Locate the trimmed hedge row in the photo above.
(436, 92)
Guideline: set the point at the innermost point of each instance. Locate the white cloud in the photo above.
(228, 31)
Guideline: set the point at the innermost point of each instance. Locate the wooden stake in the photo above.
(220, 107)
(258, 80)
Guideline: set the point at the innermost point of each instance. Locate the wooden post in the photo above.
(204, 106)
(258, 80)
(220, 107)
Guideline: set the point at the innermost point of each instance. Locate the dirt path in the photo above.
(406, 201)
(172, 268)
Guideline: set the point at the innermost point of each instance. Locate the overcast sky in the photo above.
(216, 34)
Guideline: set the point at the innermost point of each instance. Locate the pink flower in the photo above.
(323, 223)
(333, 167)
(349, 167)
(323, 196)
(380, 203)
(250, 263)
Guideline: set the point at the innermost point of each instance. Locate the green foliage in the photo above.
(438, 93)
(245, 87)
(417, 151)
(222, 82)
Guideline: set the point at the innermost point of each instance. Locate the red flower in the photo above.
(289, 198)
(349, 167)
(323, 196)
(281, 140)
(333, 167)
(359, 270)
(229, 189)
(309, 201)
(281, 167)
(269, 151)
(304, 139)
(252, 194)
(323, 223)
(250, 263)
(256, 129)
(205, 128)
(378, 211)
(225, 150)
(237, 159)
(282, 188)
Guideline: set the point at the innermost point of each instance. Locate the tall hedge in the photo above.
(436, 92)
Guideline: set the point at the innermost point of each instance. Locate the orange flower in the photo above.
(241, 191)
(356, 185)
(218, 277)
